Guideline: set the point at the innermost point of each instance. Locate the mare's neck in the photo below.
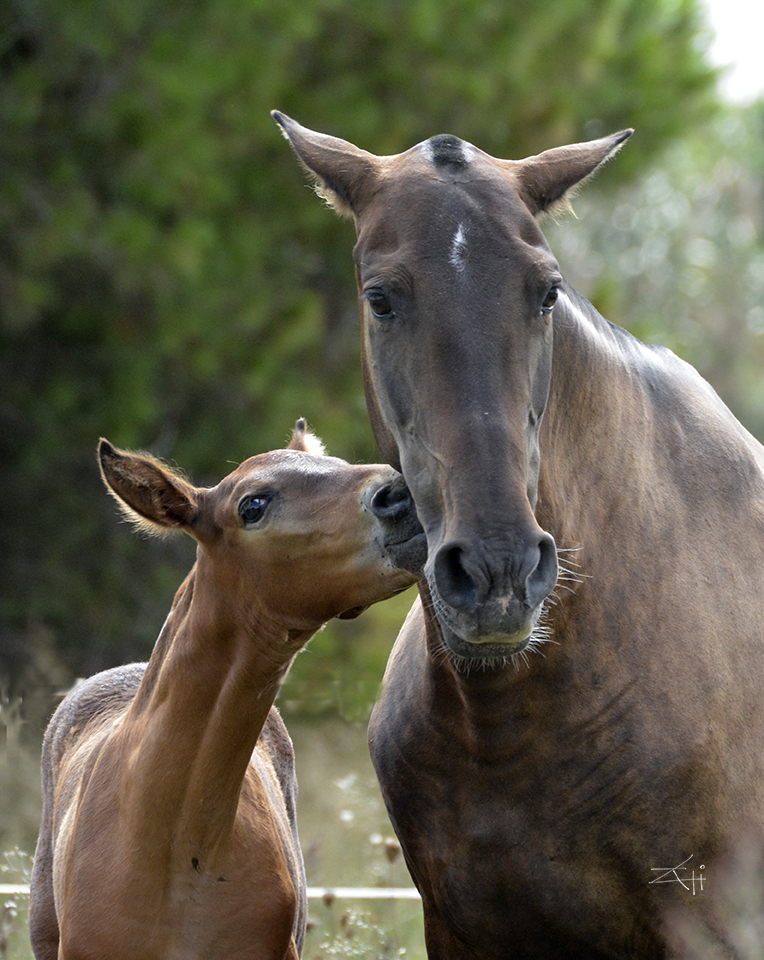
(195, 720)
(597, 419)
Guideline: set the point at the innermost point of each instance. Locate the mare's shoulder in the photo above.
(685, 405)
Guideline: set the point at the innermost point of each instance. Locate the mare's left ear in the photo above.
(304, 440)
(548, 181)
(151, 496)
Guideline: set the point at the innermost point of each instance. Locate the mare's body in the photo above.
(546, 794)
(535, 795)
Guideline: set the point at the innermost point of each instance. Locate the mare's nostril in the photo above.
(462, 580)
(391, 501)
(454, 583)
(542, 577)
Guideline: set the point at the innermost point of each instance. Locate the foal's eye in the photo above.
(379, 304)
(251, 509)
(550, 300)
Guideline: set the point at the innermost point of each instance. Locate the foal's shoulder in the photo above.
(90, 702)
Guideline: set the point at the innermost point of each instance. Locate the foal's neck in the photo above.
(206, 694)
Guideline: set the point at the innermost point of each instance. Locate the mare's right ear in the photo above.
(344, 175)
(150, 496)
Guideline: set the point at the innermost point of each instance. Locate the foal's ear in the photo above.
(344, 175)
(548, 181)
(151, 496)
(304, 440)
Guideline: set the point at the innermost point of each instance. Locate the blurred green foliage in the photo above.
(167, 281)
(678, 256)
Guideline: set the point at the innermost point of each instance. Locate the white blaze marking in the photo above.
(458, 249)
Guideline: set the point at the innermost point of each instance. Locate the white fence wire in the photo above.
(314, 893)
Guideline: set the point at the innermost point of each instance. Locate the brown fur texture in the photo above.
(533, 795)
(169, 820)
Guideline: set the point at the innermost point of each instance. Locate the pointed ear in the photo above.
(344, 175)
(548, 181)
(304, 440)
(150, 496)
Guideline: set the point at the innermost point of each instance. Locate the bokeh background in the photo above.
(168, 280)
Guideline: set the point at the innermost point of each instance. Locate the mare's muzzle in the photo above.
(488, 602)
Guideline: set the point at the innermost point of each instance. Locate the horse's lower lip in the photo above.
(488, 632)
(409, 553)
(409, 540)
(352, 613)
(463, 637)
(485, 648)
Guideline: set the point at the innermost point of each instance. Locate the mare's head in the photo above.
(457, 288)
(292, 537)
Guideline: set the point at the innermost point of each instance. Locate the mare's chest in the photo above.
(541, 818)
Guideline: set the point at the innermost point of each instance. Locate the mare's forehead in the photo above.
(428, 213)
(441, 179)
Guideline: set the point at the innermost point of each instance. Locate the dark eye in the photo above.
(550, 300)
(379, 304)
(251, 509)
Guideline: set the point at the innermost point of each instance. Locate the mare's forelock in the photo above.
(446, 150)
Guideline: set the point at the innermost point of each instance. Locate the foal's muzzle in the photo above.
(404, 539)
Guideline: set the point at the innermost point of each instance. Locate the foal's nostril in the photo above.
(391, 501)
(454, 583)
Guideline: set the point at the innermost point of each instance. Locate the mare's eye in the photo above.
(251, 509)
(380, 305)
(550, 300)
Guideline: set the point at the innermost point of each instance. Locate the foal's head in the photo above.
(290, 538)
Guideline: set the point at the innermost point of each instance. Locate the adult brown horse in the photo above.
(542, 802)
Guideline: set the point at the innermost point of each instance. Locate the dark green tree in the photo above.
(166, 281)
